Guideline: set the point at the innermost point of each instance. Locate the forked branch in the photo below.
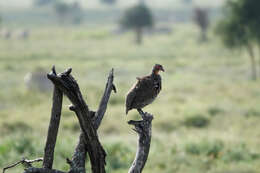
(68, 85)
(89, 122)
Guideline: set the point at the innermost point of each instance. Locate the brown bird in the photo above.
(145, 90)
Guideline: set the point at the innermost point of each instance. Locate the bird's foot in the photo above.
(145, 115)
(141, 112)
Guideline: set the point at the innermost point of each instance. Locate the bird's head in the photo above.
(157, 68)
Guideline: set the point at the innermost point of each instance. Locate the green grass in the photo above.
(203, 84)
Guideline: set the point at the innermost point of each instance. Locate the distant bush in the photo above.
(214, 110)
(252, 113)
(65, 12)
(137, 18)
(239, 28)
(198, 121)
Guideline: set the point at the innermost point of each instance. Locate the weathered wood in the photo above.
(79, 156)
(25, 162)
(144, 131)
(53, 128)
(65, 82)
(80, 152)
(103, 103)
(42, 170)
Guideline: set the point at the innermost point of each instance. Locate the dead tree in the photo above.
(89, 122)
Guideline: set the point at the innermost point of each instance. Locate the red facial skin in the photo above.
(158, 69)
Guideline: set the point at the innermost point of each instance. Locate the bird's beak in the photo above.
(162, 69)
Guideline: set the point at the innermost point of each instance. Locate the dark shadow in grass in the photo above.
(197, 121)
(215, 110)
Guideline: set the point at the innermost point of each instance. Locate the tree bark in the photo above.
(53, 128)
(253, 62)
(42, 170)
(79, 156)
(144, 131)
(139, 35)
(65, 82)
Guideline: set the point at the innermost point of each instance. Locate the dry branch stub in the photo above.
(144, 130)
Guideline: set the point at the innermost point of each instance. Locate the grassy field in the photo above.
(206, 117)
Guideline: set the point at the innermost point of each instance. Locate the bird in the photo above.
(145, 90)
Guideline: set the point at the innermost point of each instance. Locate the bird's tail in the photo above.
(126, 111)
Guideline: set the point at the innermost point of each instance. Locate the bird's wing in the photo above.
(130, 96)
(144, 87)
(139, 91)
(145, 83)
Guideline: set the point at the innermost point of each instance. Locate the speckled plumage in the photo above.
(144, 91)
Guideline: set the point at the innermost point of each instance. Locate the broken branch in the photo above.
(144, 130)
(27, 163)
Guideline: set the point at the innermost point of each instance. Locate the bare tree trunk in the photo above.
(253, 61)
(53, 129)
(144, 131)
(139, 35)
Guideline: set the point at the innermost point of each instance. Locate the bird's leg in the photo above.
(141, 112)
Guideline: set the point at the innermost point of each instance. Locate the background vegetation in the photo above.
(206, 117)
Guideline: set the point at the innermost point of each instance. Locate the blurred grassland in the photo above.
(206, 117)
